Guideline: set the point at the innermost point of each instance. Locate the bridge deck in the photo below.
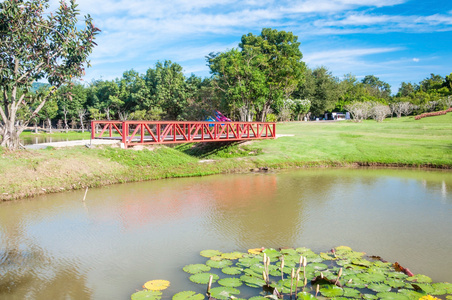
(164, 132)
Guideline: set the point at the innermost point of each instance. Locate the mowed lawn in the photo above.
(403, 141)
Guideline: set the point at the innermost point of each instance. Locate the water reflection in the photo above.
(59, 247)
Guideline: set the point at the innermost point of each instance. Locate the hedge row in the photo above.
(432, 114)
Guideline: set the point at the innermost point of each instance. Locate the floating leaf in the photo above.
(232, 255)
(392, 296)
(196, 268)
(318, 266)
(292, 252)
(327, 256)
(231, 282)
(368, 278)
(255, 251)
(252, 273)
(210, 253)
(223, 292)
(376, 287)
(156, 285)
(419, 278)
(305, 296)
(252, 281)
(395, 283)
(442, 288)
(370, 297)
(331, 291)
(425, 287)
(397, 275)
(219, 264)
(412, 294)
(232, 271)
(216, 258)
(272, 253)
(355, 282)
(361, 262)
(188, 295)
(147, 295)
(343, 248)
(248, 262)
(203, 278)
(351, 293)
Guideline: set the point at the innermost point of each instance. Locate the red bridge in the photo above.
(132, 133)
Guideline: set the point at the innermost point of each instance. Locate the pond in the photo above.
(59, 247)
(40, 139)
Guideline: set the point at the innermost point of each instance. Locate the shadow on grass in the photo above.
(218, 149)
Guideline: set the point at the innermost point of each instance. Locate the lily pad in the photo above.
(419, 278)
(272, 253)
(395, 283)
(219, 264)
(232, 255)
(331, 291)
(425, 287)
(412, 294)
(147, 295)
(188, 295)
(248, 262)
(305, 296)
(370, 297)
(156, 285)
(253, 281)
(351, 293)
(318, 266)
(216, 258)
(368, 278)
(442, 288)
(203, 278)
(355, 283)
(327, 256)
(392, 296)
(223, 292)
(379, 287)
(231, 282)
(232, 270)
(210, 253)
(289, 252)
(196, 268)
(258, 298)
(361, 262)
(255, 251)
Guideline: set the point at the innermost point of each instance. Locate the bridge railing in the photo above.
(165, 132)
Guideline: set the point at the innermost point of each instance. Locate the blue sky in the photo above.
(395, 40)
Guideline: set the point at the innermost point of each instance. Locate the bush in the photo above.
(432, 114)
(271, 118)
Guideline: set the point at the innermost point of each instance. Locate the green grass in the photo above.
(394, 142)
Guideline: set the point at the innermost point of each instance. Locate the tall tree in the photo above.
(36, 45)
(376, 87)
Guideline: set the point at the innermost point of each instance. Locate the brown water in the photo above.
(40, 139)
(57, 247)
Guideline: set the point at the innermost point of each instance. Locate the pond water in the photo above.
(40, 139)
(59, 247)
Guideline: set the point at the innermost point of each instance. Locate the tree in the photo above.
(262, 73)
(322, 89)
(376, 87)
(36, 45)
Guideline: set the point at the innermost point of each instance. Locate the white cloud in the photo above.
(416, 59)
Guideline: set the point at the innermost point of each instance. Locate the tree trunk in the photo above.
(50, 124)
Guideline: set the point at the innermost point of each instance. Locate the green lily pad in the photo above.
(210, 253)
(231, 282)
(361, 262)
(370, 297)
(379, 287)
(188, 295)
(412, 294)
(305, 296)
(223, 292)
(397, 275)
(272, 253)
(232, 271)
(253, 281)
(289, 252)
(442, 288)
(280, 287)
(392, 296)
(425, 287)
(232, 255)
(196, 268)
(219, 264)
(327, 256)
(203, 278)
(318, 266)
(216, 258)
(419, 278)
(448, 297)
(395, 283)
(147, 295)
(351, 293)
(368, 278)
(331, 291)
(251, 273)
(355, 283)
(247, 262)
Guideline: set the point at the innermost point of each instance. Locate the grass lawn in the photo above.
(394, 142)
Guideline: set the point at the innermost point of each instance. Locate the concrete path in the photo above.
(71, 143)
